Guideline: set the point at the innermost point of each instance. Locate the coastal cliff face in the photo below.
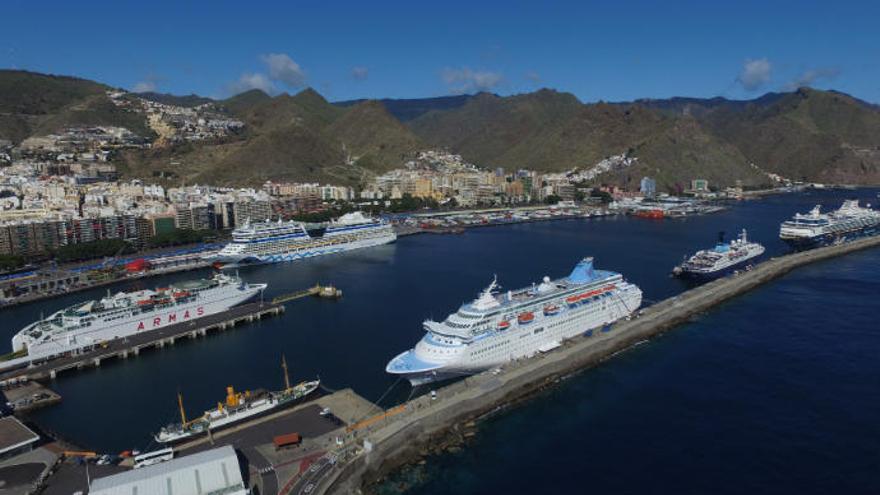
(804, 135)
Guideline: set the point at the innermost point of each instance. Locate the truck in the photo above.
(288, 440)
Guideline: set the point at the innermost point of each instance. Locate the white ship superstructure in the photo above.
(815, 228)
(273, 242)
(497, 328)
(723, 258)
(85, 325)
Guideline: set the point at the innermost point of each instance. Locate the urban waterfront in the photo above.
(388, 291)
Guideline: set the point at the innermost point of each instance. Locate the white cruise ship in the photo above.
(723, 258)
(815, 228)
(273, 242)
(497, 328)
(85, 325)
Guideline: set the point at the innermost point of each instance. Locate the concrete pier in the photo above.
(132, 345)
(385, 445)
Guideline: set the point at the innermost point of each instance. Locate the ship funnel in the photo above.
(583, 272)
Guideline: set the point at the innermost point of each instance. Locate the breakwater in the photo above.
(403, 438)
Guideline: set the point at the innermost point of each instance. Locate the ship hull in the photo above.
(523, 340)
(82, 340)
(805, 243)
(229, 421)
(300, 254)
(711, 275)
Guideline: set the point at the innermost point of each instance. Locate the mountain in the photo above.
(804, 135)
(298, 137)
(38, 104)
(808, 134)
(405, 110)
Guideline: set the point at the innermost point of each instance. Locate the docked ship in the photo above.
(86, 325)
(273, 242)
(723, 258)
(238, 406)
(499, 327)
(814, 229)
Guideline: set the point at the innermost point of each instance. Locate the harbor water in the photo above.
(776, 386)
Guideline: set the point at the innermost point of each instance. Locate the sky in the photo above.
(611, 51)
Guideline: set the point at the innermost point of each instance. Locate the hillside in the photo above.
(300, 137)
(34, 104)
(811, 135)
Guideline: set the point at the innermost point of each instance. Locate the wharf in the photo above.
(25, 396)
(424, 421)
(134, 344)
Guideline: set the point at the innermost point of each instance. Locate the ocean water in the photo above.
(773, 390)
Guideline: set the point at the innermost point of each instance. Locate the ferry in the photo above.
(238, 406)
(723, 258)
(86, 325)
(498, 327)
(815, 229)
(274, 242)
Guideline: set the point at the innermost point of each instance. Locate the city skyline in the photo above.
(596, 52)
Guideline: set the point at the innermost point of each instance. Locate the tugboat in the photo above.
(723, 258)
(238, 406)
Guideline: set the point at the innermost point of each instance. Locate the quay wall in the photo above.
(409, 435)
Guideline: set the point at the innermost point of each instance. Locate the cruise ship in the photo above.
(273, 242)
(814, 229)
(85, 325)
(723, 258)
(238, 406)
(499, 327)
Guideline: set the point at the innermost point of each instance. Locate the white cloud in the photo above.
(755, 73)
(249, 81)
(144, 87)
(465, 80)
(533, 76)
(283, 69)
(360, 73)
(808, 78)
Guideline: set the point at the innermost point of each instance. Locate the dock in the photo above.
(325, 291)
(124, 348)
(382, 446)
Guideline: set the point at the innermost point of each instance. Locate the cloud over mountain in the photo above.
(465, 80)
(283, 69)
(755, 73)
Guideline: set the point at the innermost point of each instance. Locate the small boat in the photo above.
(526, 317)
(503, 325)
(551, 309)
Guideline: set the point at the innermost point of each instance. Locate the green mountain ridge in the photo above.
(808, 134)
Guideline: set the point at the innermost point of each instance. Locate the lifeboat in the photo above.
(526, 317)
(181, 293)
(503, 325)
(572, 300)
(145, 302)
(551, 309)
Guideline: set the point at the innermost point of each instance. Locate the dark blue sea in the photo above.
(777, 391)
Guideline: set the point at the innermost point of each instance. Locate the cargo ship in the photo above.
(274, 242)
(499, 327)
(815, 229)
(723, 258)
(238, 406)
(85, 325)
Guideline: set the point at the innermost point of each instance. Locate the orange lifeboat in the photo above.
(526, 317)
(503, 325)
(551, 309)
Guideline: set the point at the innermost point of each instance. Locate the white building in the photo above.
(212, 471)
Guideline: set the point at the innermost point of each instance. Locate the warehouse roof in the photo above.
(211, 471)
(13, 434)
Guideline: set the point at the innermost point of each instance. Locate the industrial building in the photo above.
(215, 471)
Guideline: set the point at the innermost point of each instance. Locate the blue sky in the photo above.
(361, 49)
